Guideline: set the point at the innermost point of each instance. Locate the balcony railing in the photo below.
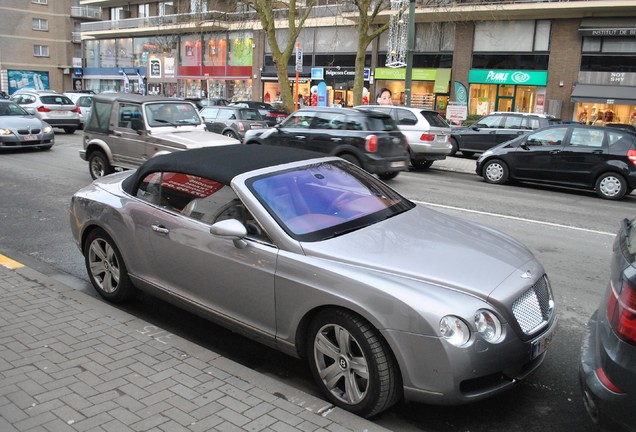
(90, 12)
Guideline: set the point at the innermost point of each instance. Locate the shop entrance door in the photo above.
(505, 98)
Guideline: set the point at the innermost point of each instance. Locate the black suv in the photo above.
(495, 128)
(369, 139)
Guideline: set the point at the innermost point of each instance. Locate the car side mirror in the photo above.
(230, 229)
(475, 127)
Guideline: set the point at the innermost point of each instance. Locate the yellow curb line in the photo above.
(9, 263)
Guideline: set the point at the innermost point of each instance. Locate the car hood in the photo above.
(425, 245)
(187, 138)
(21, 122)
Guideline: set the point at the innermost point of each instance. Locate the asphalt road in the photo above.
(570, 232)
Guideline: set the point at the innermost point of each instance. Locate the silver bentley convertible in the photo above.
(311, 255)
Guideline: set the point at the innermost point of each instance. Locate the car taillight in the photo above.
(43, 109)
(631, 155)
(371, 144)
(77, 110)
(427, 137)
(241, 126)
(621, 311)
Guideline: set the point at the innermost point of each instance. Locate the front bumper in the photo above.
(12, 141)
(441, 374)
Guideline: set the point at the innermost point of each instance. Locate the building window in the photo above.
(40, 24)
(143, 11)
(40, 1)
(40, 50)
(117, 13)
(166, 8)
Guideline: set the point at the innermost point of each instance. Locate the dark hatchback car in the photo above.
(270, 114)
(494, 129)
(607, 371)
(368, 139)
(588, 157)
(232, 121)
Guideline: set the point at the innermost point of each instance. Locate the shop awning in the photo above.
(621, 95)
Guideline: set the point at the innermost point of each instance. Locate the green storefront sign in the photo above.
(440, 76)
(512, 77)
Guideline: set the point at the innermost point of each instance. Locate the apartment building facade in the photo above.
(572, 59)
(40, 43)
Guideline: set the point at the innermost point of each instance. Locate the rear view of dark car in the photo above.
(608, 357)
(369, 139)
(271, 115)
(232, 121)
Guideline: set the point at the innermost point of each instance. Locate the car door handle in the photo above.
(554, 151)
(336, 139)
(160, 229)
(301, 136)
(117, 133)
(492, 133)
(597, 151)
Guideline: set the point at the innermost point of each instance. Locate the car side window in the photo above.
(327, 120)
(299, 120)
(491, 122)
(198, 198)
(226, 114)
(129, 116)
(209, 113)
(531, 123)
(405, 117)
(547, 137)
(85, 101)
(355, 123)
(584, 137)
(620, 142)
(513, 122)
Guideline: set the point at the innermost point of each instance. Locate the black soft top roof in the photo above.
(220, 163)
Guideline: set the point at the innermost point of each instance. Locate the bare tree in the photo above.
(295, 16)
(367, 32)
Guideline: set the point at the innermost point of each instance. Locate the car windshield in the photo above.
(325, 200)
(12, 109)
(171, 114)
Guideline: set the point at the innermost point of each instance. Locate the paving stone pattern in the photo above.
(71, 362)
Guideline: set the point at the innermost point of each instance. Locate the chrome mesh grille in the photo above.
(534, 307)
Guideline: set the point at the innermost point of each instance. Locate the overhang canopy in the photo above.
(621, 95)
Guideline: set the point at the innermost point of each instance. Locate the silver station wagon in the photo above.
(316, 257)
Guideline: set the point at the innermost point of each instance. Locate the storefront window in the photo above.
(91, 53)
(486, 98)
(600, 114)
(216, 50)
(190, 53)
(107, 57)
(125, 52)
(240, 49)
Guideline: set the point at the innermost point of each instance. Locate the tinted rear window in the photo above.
(381, 124)
(56, 100)
(434, 119)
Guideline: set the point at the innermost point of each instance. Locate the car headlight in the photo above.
(454, 330)
(47, 129)
(5, 132)
(488, 325)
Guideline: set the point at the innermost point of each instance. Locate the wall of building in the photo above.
(564, 63)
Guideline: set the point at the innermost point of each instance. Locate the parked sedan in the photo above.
(232, 121)
(608, 355)
(19, 129)
(84, 102)
(426, 131)
(590, 157)
(313, 256)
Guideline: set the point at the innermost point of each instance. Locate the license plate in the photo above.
(256, 127)
(30, 137)
(399, 164)
(540, 345)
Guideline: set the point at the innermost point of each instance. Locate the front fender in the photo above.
(99, 145)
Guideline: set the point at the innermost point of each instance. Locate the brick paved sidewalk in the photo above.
(70, 362)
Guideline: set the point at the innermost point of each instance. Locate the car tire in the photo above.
(495, 171)
(422, 165)
(98, 165)
(388, 175)
(106, 269)
(70, 130)
(338, 369)
(230, 134)
(454, 147)
(351, 158)
(611, 186)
